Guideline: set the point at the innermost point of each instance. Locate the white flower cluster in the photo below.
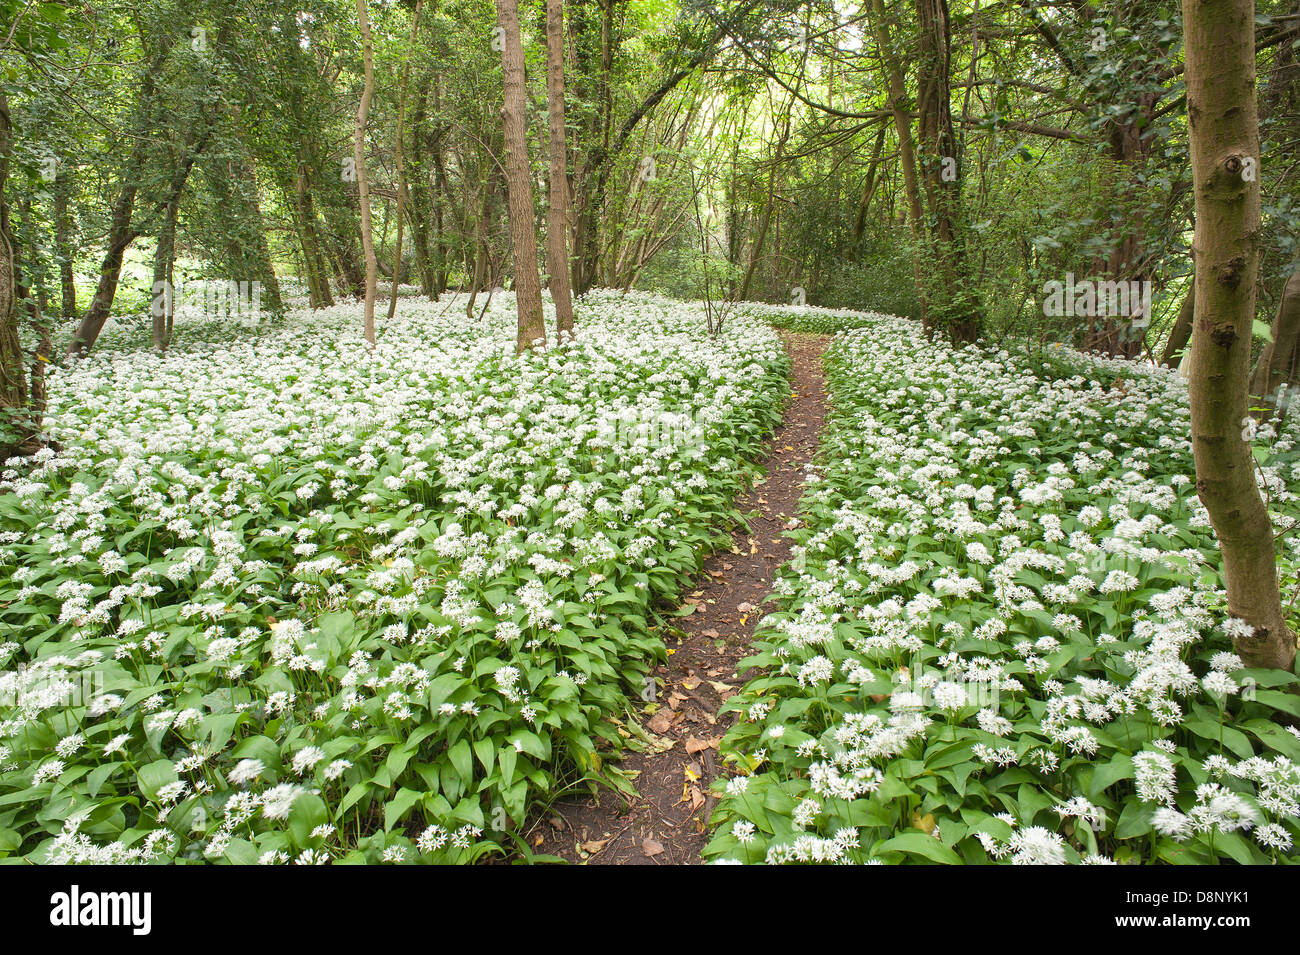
(1019, 565)
(302, 573)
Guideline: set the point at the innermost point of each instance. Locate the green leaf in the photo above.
(920, 844)
(399, 806)
(308, 812)
(463, 760)
(154, 777)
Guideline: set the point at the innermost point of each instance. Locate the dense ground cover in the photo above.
(284, 599)
(1002, 635)
(810, 318)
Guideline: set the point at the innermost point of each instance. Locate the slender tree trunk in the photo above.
(1278, 358)
(417, 190)
(756, 250)
(558, 205)
(1224, 136)
(15, 424)
(528, 283)
(1181, 333)
(398, 159)
(363, 180)
(63, 245)
(441, 194)
(906, 151)
(163, 289)
(120, 237)
(868, 190)
(318, 276)
(121, 234)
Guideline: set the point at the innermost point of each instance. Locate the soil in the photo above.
(667, 824)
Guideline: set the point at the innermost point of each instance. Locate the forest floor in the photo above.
(668, 823)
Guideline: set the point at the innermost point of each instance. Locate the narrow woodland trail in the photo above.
(667, 825)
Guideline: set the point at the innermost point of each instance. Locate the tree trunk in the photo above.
(757, 250)
(417, 191)
(121, 234)
(906, 152)
(318, 276)
(120, 237)
(1278, 358)
(1181, 333)
(558, 205)
(263, 268)
(164, 303)
(868, 190)
(958, 310)
(519, 186)
(398, 160)
(63, 245)
(1224, 135)
(363, 180)
(15, 424)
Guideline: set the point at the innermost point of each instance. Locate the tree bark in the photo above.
(363, 180)
(1224, 134)
(558, 205)
(163, 257)
(15, 424)
(398, 160)
(417, 190)
(121, 233)
(1181, 333)
(959, 312)
(757, 249)
(317, 270)
(1278, 359)
(519, 186)
(63, 244)
(906, 152)
(868, 190)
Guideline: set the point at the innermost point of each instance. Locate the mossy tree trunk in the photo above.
(558, 205)
(519, 187)
(363, 180)
(1224, 136)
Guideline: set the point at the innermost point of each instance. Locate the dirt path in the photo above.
(667, 824)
